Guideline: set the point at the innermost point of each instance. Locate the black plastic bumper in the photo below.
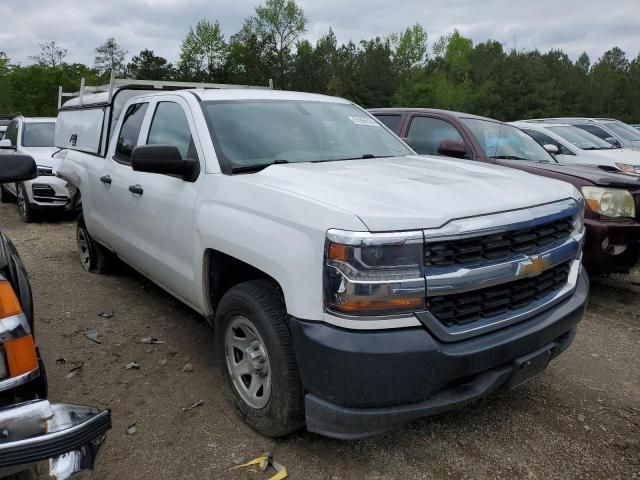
(362, 383)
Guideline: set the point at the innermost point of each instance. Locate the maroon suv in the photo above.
(613, 199)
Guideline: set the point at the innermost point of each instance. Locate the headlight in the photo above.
(610, 202)
(19, 348)
(368, 274)
(626, 168)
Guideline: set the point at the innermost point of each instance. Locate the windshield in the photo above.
(624, 131)
(259, 133)
(499, 140)
(38, 134)
(581, 138)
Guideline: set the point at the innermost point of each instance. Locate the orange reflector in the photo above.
(338, 252)
(9, 303)
(593, 204)
(369, 306)
(21, 355)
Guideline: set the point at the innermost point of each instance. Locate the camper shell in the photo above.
(86, 120)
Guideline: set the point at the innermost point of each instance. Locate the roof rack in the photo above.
(121, 83)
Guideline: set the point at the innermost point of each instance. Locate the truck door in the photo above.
(116, 209)
(163, 225)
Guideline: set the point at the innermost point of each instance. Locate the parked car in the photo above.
(4, 122)
(570, 144)
(45, 193)
(613, 131)
(336, 266)
(612, 216)
(636, 126)
(39, 439)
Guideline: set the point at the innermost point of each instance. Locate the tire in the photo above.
(6, 197)
(24, 207)
(93, 257)
(258, 305)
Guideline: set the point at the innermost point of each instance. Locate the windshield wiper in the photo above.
(257, 167)
(509, 157)
(361, 157)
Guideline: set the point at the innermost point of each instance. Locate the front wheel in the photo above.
(94, 257)
(24, 207)
(255, 352)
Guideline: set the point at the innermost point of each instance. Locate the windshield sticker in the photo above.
(370, 122)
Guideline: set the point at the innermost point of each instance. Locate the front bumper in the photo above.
(41, 440)
(366, 382)
(47, 191)
(611, 247)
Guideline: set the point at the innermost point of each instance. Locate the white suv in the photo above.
(46, 193)
(352, 284)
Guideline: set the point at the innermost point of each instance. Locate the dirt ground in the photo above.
(581, 419)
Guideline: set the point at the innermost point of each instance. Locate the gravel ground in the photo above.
(581, 419)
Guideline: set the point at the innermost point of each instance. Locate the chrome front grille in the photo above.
(484, 273)
(499, 246)
(467, 307)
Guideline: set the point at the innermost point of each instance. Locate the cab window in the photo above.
(391, 121)
(130, 131)
(426, 133)
(170, 127)
(12, 133)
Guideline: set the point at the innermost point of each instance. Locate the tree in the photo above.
(148, 66)
(51, 55)
(110, 56)
(203, 53)
(248, 61)
(4, 64)
(279, 24)
(409, 49)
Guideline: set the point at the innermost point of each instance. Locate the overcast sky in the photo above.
(80, 25)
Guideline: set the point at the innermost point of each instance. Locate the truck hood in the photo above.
(405, 193)
(591, 173)
(609, 157)
(42, 155)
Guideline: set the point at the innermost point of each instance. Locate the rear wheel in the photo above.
(94, 257)
(255, 352)
(24, 207)
(5, 196)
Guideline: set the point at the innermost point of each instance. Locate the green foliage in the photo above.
(398, 70)
(110, 57)
(148, 66)
(203, 53)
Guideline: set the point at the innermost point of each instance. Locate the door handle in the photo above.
(106, 179)
(136, 189)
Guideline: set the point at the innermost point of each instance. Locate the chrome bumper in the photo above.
(42, 440)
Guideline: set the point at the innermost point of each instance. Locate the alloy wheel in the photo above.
(84, 248)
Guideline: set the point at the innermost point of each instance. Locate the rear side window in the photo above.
(595, 130)
(130, 131)
(426, 133)
(170, 127)
(391, 121)
(12, 133)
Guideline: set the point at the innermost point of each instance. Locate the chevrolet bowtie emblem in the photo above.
(534, 266)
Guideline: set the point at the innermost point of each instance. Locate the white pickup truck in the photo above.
(351, 284)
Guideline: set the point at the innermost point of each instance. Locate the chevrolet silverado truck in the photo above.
(38, 439)
(612, 196)
(351, 284)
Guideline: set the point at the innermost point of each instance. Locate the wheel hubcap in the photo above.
(84, 249)
(248, 362)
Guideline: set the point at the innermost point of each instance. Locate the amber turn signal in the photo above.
(21, 355)
(9, 303)
(379, 307)
(338, 252)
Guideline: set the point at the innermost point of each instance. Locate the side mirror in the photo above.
(551, 148)
(452, 148)
(165, 160)
(15, 167)
(6, 144)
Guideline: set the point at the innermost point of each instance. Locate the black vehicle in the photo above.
(38, 439)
